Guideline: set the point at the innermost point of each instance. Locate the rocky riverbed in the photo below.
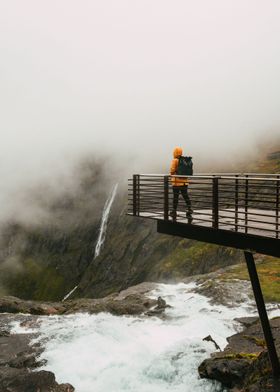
(19, 357)
(242, 366)
(131, 301)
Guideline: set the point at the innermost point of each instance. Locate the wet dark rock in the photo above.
(229, 372)
(132, 301)
(222, 292)
(134, 304)
(18, 363)
(159, 309)
(247, 321)
(4, 332)
(30, 323)
(161, 303)
(210, 339)
(22, 380)
(11, 304)
(244, 364)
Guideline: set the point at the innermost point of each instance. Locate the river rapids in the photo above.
(97, 353)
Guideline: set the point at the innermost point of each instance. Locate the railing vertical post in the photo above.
(262, 313)
(277, 205)
(166, 197)
(215, 206)
(246, 202)
(136, 194)
(236, 202)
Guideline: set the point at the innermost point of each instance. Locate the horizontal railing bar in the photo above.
(249, 227)
(207, 191)
(242, 188)
(243, 174)
(247, 220)
(211, 176)
(252, 202)
(248, 213)
(198, 203)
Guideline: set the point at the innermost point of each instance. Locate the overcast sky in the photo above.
(134, 77)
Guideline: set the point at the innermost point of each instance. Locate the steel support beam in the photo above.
(262, 313)
(246, 242)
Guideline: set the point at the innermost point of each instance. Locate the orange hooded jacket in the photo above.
(177, 181)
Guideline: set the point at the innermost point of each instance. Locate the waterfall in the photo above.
(104, 221)
(70, 293)
(102, 230)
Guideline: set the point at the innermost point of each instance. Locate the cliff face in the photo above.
(134, 252)
(47, 260)
(45, 263)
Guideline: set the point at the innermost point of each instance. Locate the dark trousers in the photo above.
(184, 191)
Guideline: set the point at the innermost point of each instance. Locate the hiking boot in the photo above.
(173, 215)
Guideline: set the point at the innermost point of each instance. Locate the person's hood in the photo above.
(177, 152)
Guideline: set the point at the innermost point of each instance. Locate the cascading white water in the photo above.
(140, 354)
(104, 221)
(70, 293)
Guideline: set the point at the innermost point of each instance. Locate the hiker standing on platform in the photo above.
(182, 166)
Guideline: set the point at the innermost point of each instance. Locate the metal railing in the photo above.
(247, 203)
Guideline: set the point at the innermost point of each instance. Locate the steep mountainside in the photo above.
(135, 252)
(47, 260)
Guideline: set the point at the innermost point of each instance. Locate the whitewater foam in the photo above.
(133, 354)
(69, 294)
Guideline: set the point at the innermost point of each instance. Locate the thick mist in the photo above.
(126, 81)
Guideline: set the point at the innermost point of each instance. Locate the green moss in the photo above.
(269, 275)
(241, 356)
(35, 281)
(190, 257)
(258, 342)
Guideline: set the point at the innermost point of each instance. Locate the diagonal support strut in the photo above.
(262, 313)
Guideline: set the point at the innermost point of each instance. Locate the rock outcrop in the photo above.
(19, 360)
(132, 301)
(244, 364)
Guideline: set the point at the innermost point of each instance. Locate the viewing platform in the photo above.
(236, 210)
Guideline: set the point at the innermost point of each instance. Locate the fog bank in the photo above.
(131, 80)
